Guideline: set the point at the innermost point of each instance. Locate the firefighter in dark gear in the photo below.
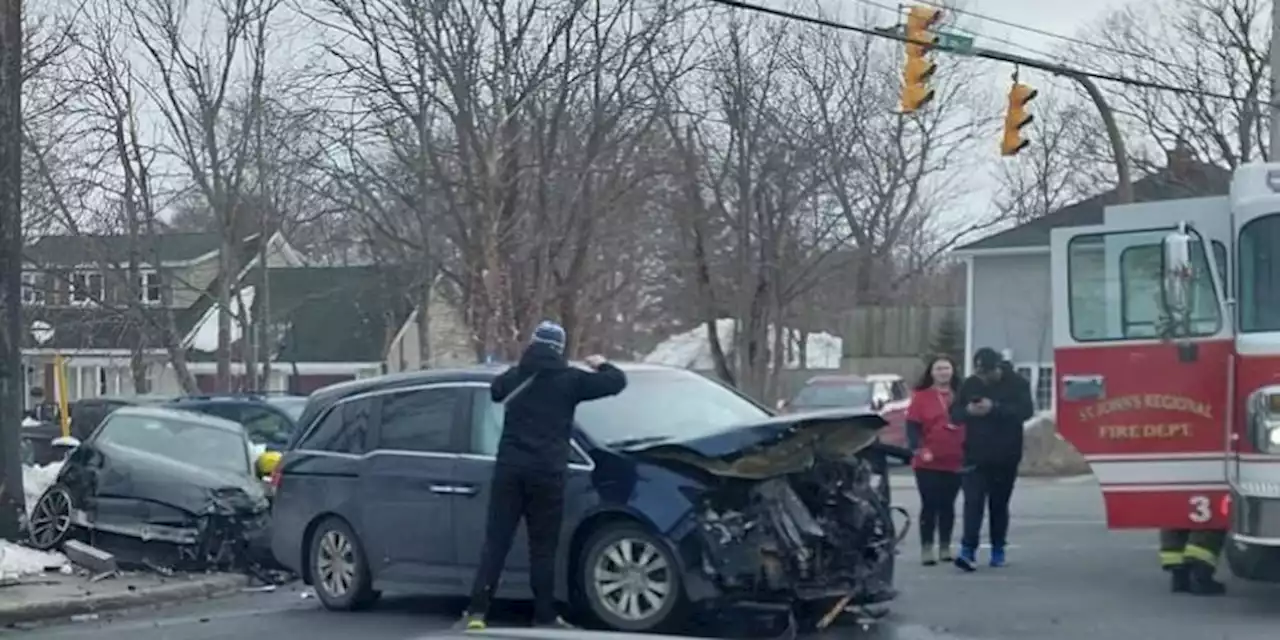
(1191, 557)
(540, 394)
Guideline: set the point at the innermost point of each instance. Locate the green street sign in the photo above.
(952, 42)
(955, 42)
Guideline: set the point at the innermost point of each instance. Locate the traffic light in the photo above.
(1016, 119)
(918, 68)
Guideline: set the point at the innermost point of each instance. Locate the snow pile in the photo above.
(1046, 453)
(37, 479)
(18, 561)
(692, 349)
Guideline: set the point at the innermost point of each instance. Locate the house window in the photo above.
(149, 287)
(86, 288)
(1044, 387)
(1114, 287)
(32, 288)
(1025, 372)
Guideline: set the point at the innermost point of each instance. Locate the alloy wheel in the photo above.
(50, 519)
(336, 563)
(632, 579)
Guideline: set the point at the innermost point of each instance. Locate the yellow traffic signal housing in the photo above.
(1016, 118)
(918, 68)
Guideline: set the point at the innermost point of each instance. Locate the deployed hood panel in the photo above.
(128, 472)
(776, 447)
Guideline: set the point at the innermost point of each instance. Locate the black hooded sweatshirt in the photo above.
(996, 438)
(539, 420)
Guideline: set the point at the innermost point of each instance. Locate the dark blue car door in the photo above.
(408, 487)
(479, 441)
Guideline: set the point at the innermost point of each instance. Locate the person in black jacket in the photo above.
(992, 404)
(540, 394)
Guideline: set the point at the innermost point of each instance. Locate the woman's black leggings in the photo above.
(938, 491)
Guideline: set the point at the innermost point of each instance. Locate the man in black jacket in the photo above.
(540, 394)
(992, 404)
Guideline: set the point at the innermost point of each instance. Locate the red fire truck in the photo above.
(1167, 353)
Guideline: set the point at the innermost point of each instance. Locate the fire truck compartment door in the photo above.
(1149, 421)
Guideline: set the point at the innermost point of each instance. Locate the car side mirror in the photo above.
(267, 463)
(1178, 272)
(66, 443)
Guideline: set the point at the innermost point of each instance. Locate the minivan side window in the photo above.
(343, 429)
(421, 420)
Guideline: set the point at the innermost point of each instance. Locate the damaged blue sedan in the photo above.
(681, 493)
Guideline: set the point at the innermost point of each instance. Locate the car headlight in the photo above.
(1264, 419)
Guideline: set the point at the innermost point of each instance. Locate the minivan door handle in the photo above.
(443, 488)
(466, 490)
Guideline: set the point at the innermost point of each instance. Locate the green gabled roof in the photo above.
(68, 250)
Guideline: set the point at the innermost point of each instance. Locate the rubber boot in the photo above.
(944, 553)
(927, 556)
(1179, 578)
(1201, 580)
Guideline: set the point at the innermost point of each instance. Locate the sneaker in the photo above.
(944, 554)
(927, 556)
(997, 557)
(471, 622)
(558, 623)
(967, 560)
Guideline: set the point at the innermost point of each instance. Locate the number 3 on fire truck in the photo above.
(1201, 509)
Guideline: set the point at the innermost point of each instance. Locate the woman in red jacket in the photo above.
(938, 445)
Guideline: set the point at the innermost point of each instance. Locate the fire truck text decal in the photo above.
(1138, 402)
(1139, 431)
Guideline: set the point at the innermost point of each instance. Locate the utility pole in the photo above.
(1273, 149)
(12, 500)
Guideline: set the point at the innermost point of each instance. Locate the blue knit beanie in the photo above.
(550, 333)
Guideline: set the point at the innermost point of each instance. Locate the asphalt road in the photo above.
(1068, 578)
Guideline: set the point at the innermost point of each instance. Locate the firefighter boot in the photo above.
(1201, 582)
(1179, 578)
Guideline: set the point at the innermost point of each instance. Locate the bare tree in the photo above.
(203, 69)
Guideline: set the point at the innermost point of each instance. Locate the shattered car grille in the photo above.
(826, 531)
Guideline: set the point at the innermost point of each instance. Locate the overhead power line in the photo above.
(986, 54)
(1058, 36)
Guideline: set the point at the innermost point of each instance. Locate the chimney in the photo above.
(1181, 160)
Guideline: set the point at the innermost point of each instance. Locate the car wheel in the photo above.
(50, 522)
(630, 580)
(339, 571)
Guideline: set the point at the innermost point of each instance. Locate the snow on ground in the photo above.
(36, 479)
(17, 561)
(692, 349)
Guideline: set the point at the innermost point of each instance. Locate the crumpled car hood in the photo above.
(780, 446)
(132, 473)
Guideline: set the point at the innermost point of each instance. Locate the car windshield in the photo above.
(291, 405)
(189, 442)
(853, 394)
(659, 405)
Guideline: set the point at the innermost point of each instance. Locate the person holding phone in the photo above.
(937, 445)
(993, 404)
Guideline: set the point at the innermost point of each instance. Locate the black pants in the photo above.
(987, 486)
(538, 497)
(938, 491)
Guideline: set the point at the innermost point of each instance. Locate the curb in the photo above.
(203, 587)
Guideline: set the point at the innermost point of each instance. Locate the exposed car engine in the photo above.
(826, 531)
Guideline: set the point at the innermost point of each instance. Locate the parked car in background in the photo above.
(885, 393)
(679, 492)
(268, 419)
(159, 486)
